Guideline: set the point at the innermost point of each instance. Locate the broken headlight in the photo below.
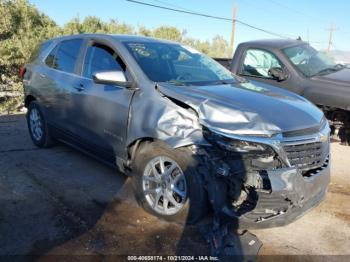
(234, 145)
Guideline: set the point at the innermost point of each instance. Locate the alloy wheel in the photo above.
(164, 185)
(36, 125)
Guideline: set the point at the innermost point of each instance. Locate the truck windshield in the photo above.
(177, 64)
(310, 61)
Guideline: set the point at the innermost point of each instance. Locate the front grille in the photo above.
(302, 132)
(305, 156)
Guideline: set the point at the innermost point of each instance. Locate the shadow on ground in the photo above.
(59, 201)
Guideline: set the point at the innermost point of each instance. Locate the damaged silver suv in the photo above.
(194, 137)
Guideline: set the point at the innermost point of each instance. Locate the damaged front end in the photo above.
(255, 171)
(265, 181)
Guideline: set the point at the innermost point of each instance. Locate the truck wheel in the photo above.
(167, 185)
(37, 126)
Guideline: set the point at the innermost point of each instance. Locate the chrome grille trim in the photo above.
(279, 143)
(311, 173)
(305, 156)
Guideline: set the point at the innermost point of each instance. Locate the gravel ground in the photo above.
(60, 202)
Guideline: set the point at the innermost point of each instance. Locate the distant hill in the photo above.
(341, 56)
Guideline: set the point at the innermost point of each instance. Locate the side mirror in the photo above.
(111, 78)
(277, 73)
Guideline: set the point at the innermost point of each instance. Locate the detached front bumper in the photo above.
(291, 196)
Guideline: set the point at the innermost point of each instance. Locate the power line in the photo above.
(286, 7)
(209, 16)
(295, 10)
(170, 4)
(303, 14)
(182, 11)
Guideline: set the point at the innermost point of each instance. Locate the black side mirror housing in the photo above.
(278, 73)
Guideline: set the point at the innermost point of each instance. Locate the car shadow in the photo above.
(59, 201)
(48, 196)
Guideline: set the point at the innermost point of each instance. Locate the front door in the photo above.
(102, 111)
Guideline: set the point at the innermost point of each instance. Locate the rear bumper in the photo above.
(291, 196)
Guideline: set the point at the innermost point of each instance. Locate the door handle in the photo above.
(79, 87)
(42, 75)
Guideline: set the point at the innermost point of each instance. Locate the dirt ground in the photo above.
(60, 202)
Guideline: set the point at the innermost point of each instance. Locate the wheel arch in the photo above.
(136, 144)
(28, 99)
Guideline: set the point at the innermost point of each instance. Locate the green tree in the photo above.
(22, 28)
(144, 31)
(115, 27)
(92, 24)
(72, 27)
(169, 33)
(219, 47)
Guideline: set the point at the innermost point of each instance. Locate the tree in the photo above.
(115, 27)
(93, 24)
(219, 47)
(23, 27)
(144, 31)
(72, 27)
(169, 33)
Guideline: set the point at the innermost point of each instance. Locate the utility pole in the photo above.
(234, 15)
(330, 41)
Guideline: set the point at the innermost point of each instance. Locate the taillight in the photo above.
(22, 71)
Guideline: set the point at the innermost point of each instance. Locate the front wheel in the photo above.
(166, 183)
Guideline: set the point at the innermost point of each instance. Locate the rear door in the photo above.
(102, 111)
(59, 78)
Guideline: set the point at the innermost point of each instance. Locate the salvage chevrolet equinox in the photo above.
(193, 137)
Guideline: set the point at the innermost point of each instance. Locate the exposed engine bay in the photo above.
(250, 182)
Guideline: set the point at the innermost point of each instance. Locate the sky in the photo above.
(309, 19)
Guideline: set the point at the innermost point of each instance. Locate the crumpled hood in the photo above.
(341, 77)
(246, 108)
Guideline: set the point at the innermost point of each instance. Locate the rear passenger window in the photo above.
(39, 49)
(101, 58)
(67, 55)
(50, 59)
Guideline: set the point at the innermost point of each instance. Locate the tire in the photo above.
(191, 208)
(37, 126)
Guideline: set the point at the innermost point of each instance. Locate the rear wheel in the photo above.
(38, 129)
(166, 183)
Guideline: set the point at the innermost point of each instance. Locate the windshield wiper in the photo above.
(339, 66)
(222, 82)
(326, 71)
(174, 82)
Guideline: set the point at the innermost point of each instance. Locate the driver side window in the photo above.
(101, 58)
(258, 63)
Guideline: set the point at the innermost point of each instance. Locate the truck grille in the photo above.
(305, 156)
